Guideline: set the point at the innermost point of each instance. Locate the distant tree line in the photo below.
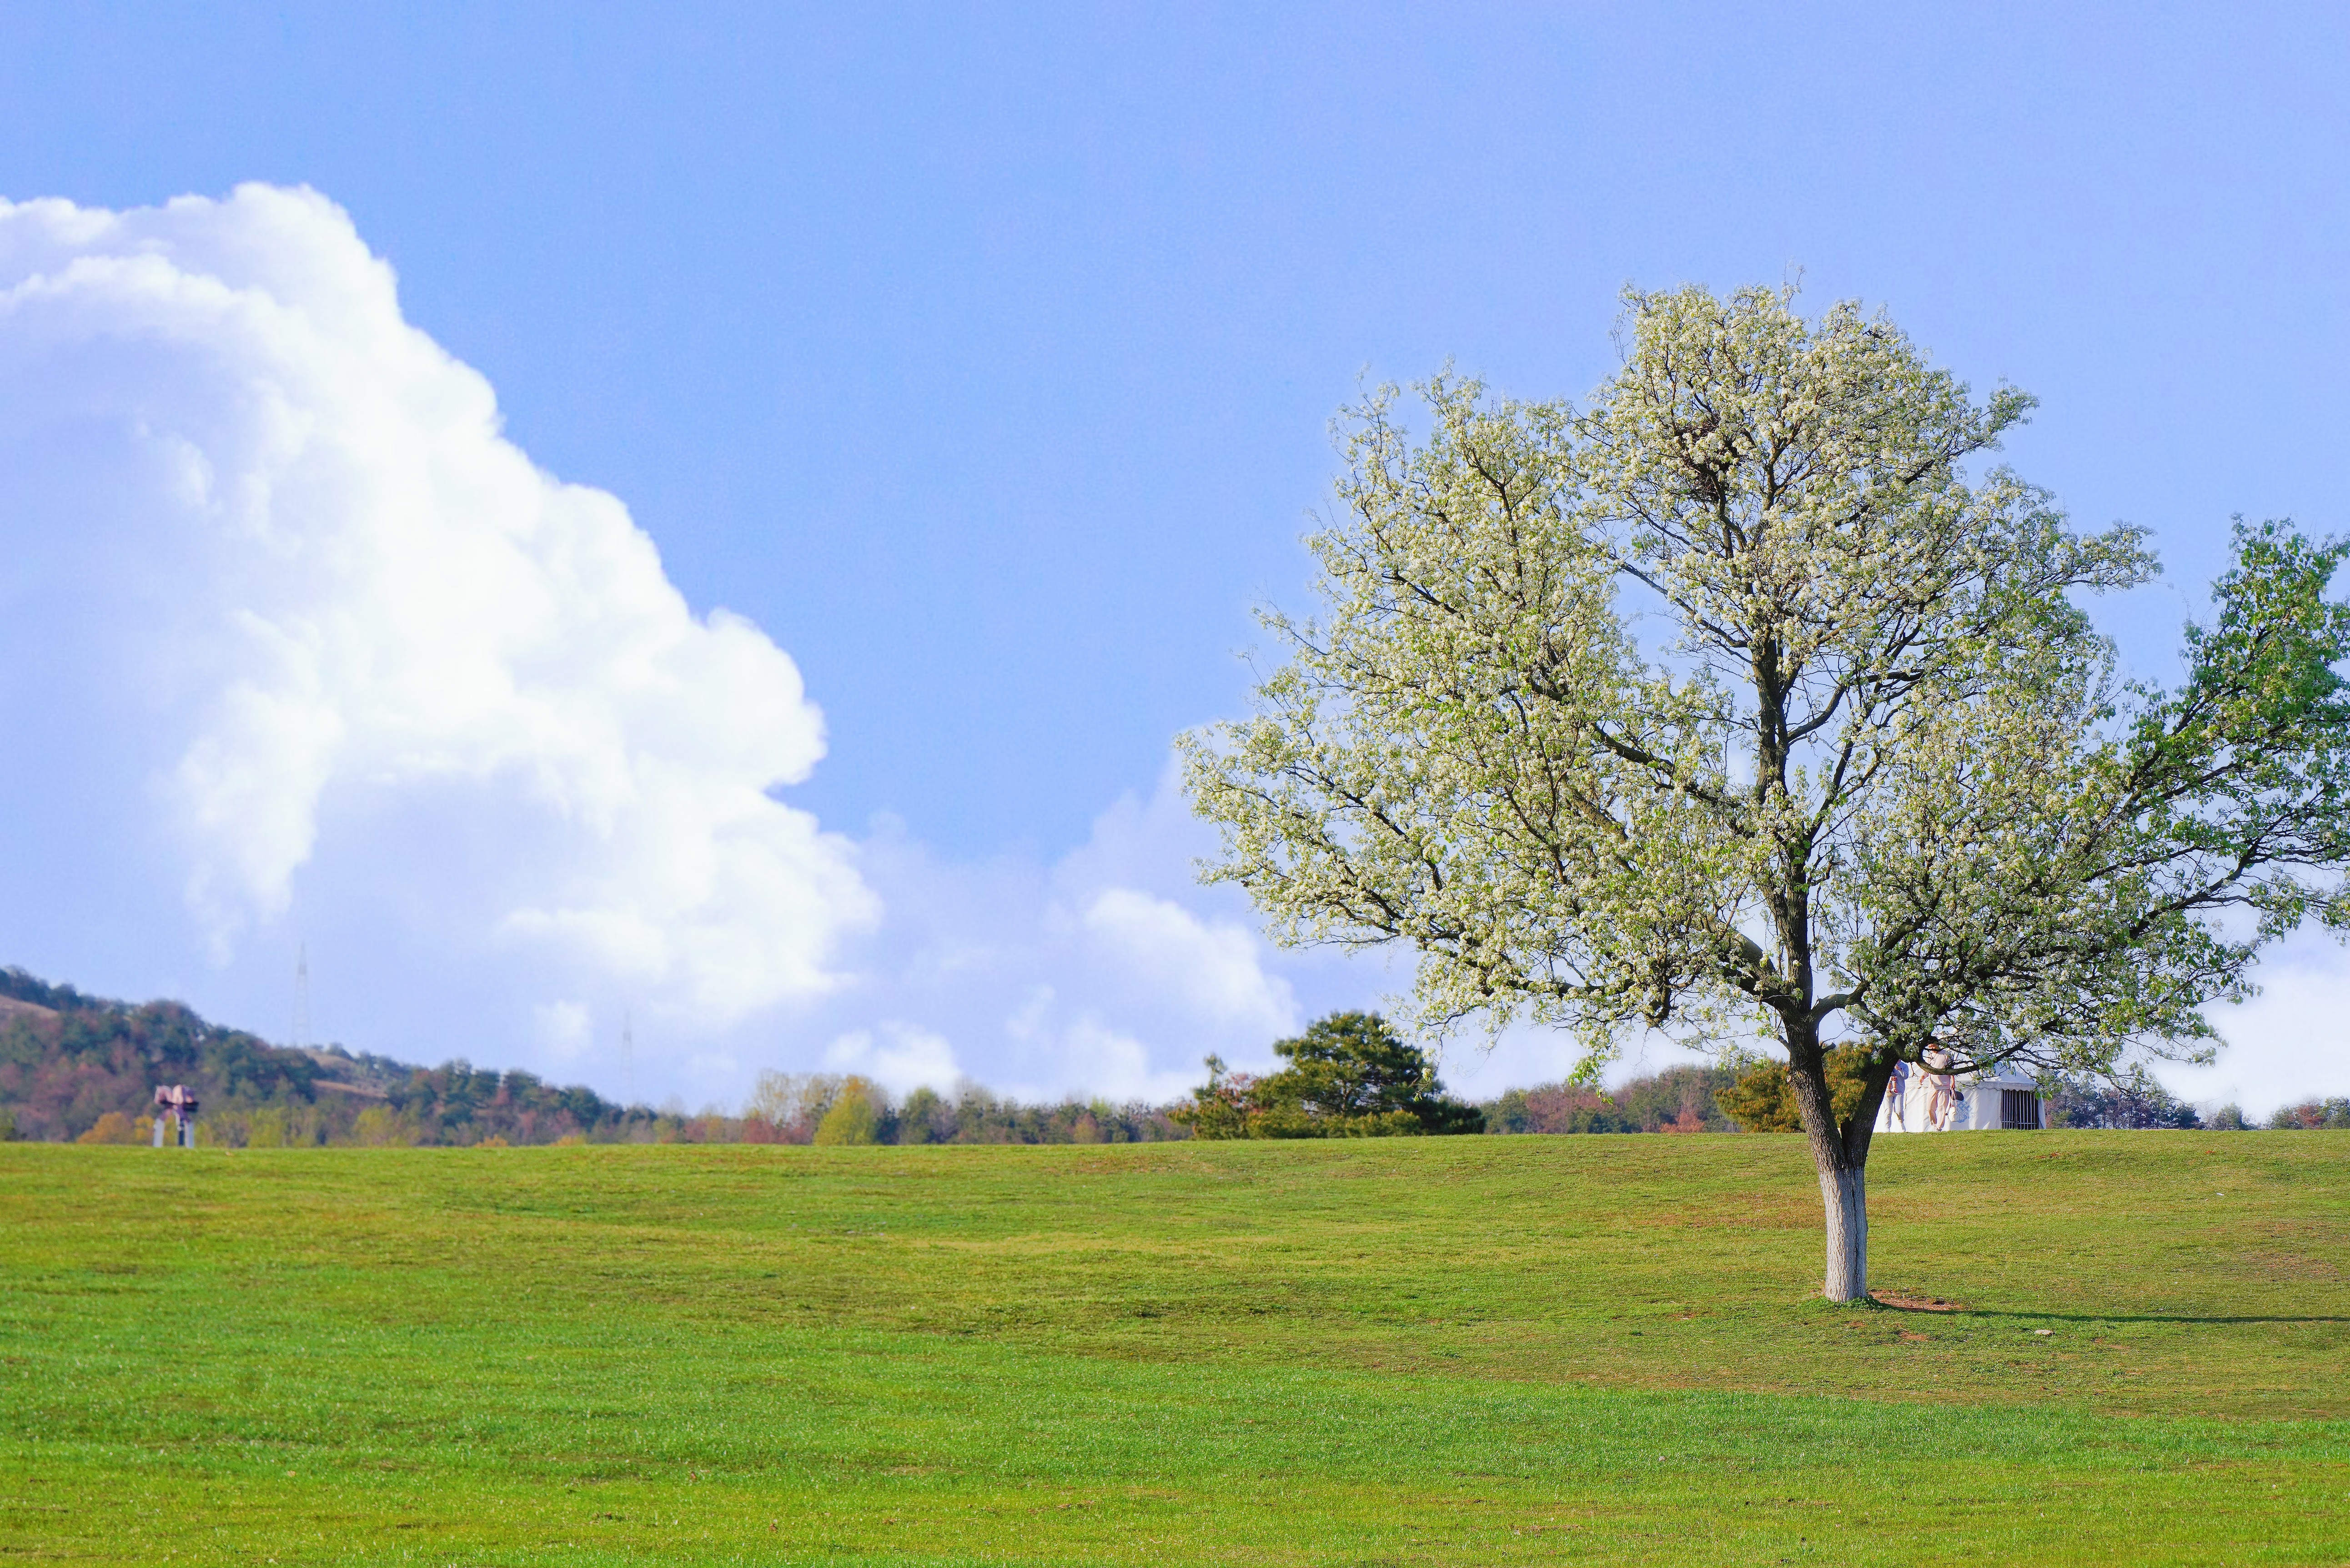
(1756, 1097)
(831, 1109)
(2136, 1102)
(2333, 1115)
(75, 1067)
(1677, 1100)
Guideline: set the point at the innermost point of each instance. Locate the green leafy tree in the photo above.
(378, 1126)
(855, 1114)
(927, 1116)
(1349, 1075)
(1762, 1099)
(1733, 705)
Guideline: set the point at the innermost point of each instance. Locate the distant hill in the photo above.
(80, 1067)
(74, 1067)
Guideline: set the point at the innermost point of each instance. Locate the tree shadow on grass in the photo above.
(1903, 1302)
(2153, 1317)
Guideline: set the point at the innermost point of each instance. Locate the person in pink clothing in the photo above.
(1942, 1088)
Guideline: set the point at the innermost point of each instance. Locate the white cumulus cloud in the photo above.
(1105, 971)
(899, 1056)
(563, 1029)
(1212, 969)
(314, 590)
(2289, 1043)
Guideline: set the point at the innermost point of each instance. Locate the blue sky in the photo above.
(983, 361)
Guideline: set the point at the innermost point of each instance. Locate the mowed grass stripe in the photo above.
(1428, 1351)
(965, 1445)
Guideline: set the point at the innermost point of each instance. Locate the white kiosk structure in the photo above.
(1997, 1099)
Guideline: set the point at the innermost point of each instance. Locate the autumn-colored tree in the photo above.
(113, 1128)
(1220, 1107)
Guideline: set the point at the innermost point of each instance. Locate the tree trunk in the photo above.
(1843, 1193)
(1840, 1155)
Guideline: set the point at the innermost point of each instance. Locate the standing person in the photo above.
(1897, 1095)
(1942, 1088)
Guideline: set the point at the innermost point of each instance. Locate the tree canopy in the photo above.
(1349, 1075)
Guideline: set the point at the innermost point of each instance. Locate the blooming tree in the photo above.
(1733, 705)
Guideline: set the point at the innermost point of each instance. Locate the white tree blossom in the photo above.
(1733, 703)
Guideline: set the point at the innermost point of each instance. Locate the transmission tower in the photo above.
(628, 1057)
(302, 997)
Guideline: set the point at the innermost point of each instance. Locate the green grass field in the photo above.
(1460, 1350)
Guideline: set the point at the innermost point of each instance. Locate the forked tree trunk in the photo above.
(1840, 1154)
